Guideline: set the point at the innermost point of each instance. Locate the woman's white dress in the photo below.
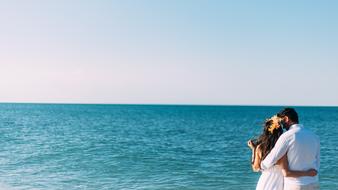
(271, 179)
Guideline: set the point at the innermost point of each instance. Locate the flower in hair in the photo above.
(275, 123)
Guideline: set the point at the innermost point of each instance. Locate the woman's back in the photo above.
(271, 179)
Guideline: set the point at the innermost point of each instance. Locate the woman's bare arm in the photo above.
(284, 164)
(256, 157)
(256, 165)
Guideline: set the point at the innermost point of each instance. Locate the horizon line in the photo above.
(169, 104)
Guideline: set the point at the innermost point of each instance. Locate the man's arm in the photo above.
(276, 153)
(284, 164)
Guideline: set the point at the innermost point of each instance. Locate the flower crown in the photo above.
(275, 123)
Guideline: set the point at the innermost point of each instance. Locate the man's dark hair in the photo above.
(290, 113)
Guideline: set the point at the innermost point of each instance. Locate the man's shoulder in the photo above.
(288, 134)
(312, 134)
(307, 135)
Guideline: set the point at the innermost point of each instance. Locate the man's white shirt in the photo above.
(303, 151)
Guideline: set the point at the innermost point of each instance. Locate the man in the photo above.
(302, 149)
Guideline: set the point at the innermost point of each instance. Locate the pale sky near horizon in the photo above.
(169, 52)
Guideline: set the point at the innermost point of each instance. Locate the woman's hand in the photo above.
(312, 172)
(250, 144)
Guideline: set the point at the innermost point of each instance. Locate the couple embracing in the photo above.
(288, 160)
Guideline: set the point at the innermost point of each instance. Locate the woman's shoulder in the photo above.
(259, 149)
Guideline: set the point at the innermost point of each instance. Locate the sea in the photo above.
(144, 147)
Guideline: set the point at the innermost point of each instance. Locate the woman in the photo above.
(272, 178)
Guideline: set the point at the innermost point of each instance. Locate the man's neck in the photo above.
(294, 125)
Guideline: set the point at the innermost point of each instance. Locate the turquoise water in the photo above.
(45, 146)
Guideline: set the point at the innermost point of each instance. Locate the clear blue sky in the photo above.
(169, 52)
